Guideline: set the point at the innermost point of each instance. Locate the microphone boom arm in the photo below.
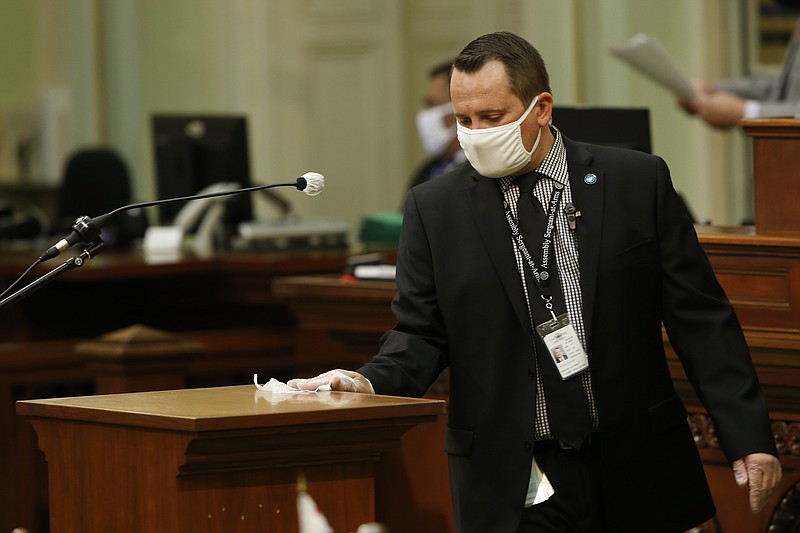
(75, 262)
(88, 231)
(102, 219)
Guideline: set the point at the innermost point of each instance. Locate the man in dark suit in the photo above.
(601, 444)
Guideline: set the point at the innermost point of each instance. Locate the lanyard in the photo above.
(542, 271)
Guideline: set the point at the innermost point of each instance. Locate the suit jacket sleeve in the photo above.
(414, 352)
(706, 335)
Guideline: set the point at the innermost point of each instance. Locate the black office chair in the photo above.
(20, 220)
(95, 182)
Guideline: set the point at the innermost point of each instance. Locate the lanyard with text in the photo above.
(541, 273)
(558, 334)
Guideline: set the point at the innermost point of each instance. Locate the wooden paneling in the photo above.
(332, 95)
(760, 274)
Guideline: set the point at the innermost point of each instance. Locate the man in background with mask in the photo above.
(724, 103)
(436, 127)
(542, 242)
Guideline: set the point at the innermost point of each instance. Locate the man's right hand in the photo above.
(341, 380)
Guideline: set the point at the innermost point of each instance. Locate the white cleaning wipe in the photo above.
(278, 387)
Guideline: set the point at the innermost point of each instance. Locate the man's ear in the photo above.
(545, 105)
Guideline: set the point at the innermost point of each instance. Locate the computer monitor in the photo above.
(195, 151)
(624, 127)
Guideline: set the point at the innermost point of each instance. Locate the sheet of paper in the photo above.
(539, 487)
(647, 55)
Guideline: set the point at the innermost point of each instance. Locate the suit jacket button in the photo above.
(528, 446)
(531, 374)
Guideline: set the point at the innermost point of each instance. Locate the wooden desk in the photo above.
(224, 302)
(219, 459)
(339, 321)
(119, 288)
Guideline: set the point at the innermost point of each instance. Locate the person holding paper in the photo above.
(491, 278)
(724, 104)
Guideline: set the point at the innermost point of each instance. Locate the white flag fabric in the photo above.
(310, 518)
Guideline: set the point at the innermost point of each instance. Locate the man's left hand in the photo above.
(760, 473)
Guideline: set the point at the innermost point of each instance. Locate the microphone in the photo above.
(88, 230)
(311, 183)
(572, 215)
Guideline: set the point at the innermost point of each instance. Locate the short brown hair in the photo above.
(525, 68)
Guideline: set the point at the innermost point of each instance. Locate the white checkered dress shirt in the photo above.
(554, 169)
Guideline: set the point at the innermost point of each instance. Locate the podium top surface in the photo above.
(228, 408)
(786, 127)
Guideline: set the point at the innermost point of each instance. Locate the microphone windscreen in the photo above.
(314, 183)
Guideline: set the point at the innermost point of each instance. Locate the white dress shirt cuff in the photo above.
(752, 109)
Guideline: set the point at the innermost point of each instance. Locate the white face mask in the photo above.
(433, 132)
(499, 151)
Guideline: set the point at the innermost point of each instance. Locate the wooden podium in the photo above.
(216, 459)
(775, 174)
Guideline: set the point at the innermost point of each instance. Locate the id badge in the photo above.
(563, 345)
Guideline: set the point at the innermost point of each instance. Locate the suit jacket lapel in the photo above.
(493, 228)
(588, 199)
(494, 231)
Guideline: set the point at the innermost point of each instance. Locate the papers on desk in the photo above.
(647, 55)
(377, 272)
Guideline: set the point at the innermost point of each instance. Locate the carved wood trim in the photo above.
(786, 434)
(786, 516)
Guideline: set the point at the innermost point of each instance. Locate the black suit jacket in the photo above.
(460, 305)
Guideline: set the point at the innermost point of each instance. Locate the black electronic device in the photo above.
(194, 151)
(623, 127)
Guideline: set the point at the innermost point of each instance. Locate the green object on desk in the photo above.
(381, 228)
